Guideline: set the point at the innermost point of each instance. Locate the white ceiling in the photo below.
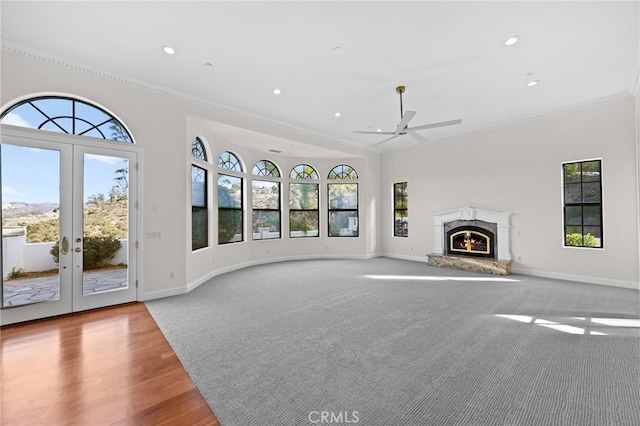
(450, 56)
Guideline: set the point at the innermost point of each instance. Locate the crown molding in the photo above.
(20, 50)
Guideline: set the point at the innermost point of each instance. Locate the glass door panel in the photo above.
(35, 263)
(105, 224)
(102, 254)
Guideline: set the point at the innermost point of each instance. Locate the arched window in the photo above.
(229, 161)
(265, 168)
(230, 195)
(198, 150)
(304, 213)
(343, 202)
(66, 115)
(266, 217)
(343, 172)
(199, 196)
(303, 171)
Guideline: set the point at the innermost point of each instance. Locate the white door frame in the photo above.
(65, 144)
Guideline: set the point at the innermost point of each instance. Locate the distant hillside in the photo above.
(101, 218)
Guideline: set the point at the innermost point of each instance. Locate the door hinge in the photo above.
(137, 244)
(136, 205)
(136, 167)
(136, 283)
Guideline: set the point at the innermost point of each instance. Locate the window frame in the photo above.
(199, 161)
(122, 133)
(235, 170)
(566, 206)
(268, 172)
(306, 176)
(343, 174)
(403, 211)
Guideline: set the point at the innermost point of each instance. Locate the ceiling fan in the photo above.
(403, 126)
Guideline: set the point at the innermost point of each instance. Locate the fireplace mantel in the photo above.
(501, 219)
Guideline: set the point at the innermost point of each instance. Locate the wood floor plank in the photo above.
(108, 366)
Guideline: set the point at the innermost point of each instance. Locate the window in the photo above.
(343, 202)
(304, 213)
(266, 201)
(583, 204)
(230, 207)
(66, 115)
(400, 210)
(199, 213)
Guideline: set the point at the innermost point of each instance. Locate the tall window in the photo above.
(266, 201)
(343, 202)
(199, 213)
(400, 210)
(304, 213)
(66, 115)
(230, 207)
(583, 204)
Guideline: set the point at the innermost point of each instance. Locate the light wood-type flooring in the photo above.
(111, 366)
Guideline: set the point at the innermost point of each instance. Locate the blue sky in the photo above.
(31, 175)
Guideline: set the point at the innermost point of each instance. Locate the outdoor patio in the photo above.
(32, 290)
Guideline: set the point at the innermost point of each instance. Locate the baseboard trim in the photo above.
(175, 291)
(632, 285)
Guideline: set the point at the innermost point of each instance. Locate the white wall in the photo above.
(162, 127)
(514, 168)
(517, 169)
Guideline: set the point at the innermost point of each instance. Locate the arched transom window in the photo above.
(66, 115)
(265, 196)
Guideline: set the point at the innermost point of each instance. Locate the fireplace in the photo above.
(472, 232)
(473, 240)
(468, 240)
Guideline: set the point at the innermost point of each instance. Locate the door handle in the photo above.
(65, 246)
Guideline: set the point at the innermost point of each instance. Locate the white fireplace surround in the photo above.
(501, 219)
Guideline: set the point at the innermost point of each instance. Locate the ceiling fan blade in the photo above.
(408, 115)
(381, 142)
(417, 136)
(373, 133)
(432, 125)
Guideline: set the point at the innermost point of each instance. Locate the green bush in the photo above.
(578, 240)
(17, 273)
(98, 251)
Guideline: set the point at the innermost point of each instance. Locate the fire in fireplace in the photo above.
(470, 241)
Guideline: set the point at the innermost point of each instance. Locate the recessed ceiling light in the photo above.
(169, 50)
(337, 114)
(277, 91)
(533, 83)
(512, 40)
(378, 130)
(337, 50)
(208, 65)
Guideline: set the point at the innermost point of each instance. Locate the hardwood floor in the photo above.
(103, 367)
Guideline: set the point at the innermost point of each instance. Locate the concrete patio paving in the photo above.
(31, 290)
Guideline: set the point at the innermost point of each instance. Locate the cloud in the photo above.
(15, 120)
(10, 194)
(112, 161)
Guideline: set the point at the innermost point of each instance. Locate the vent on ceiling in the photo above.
(275, 150)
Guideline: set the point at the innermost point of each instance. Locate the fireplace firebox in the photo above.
(470, 241)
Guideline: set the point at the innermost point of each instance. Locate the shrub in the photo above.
(98, 251)
(578, 240)
(17, 273)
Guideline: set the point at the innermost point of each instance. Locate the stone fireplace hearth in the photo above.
(472, 239)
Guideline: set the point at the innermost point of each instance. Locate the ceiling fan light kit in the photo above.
(403, 126)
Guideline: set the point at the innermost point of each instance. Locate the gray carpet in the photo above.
(393, 342)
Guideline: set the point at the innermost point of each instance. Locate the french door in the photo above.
(69, 224)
